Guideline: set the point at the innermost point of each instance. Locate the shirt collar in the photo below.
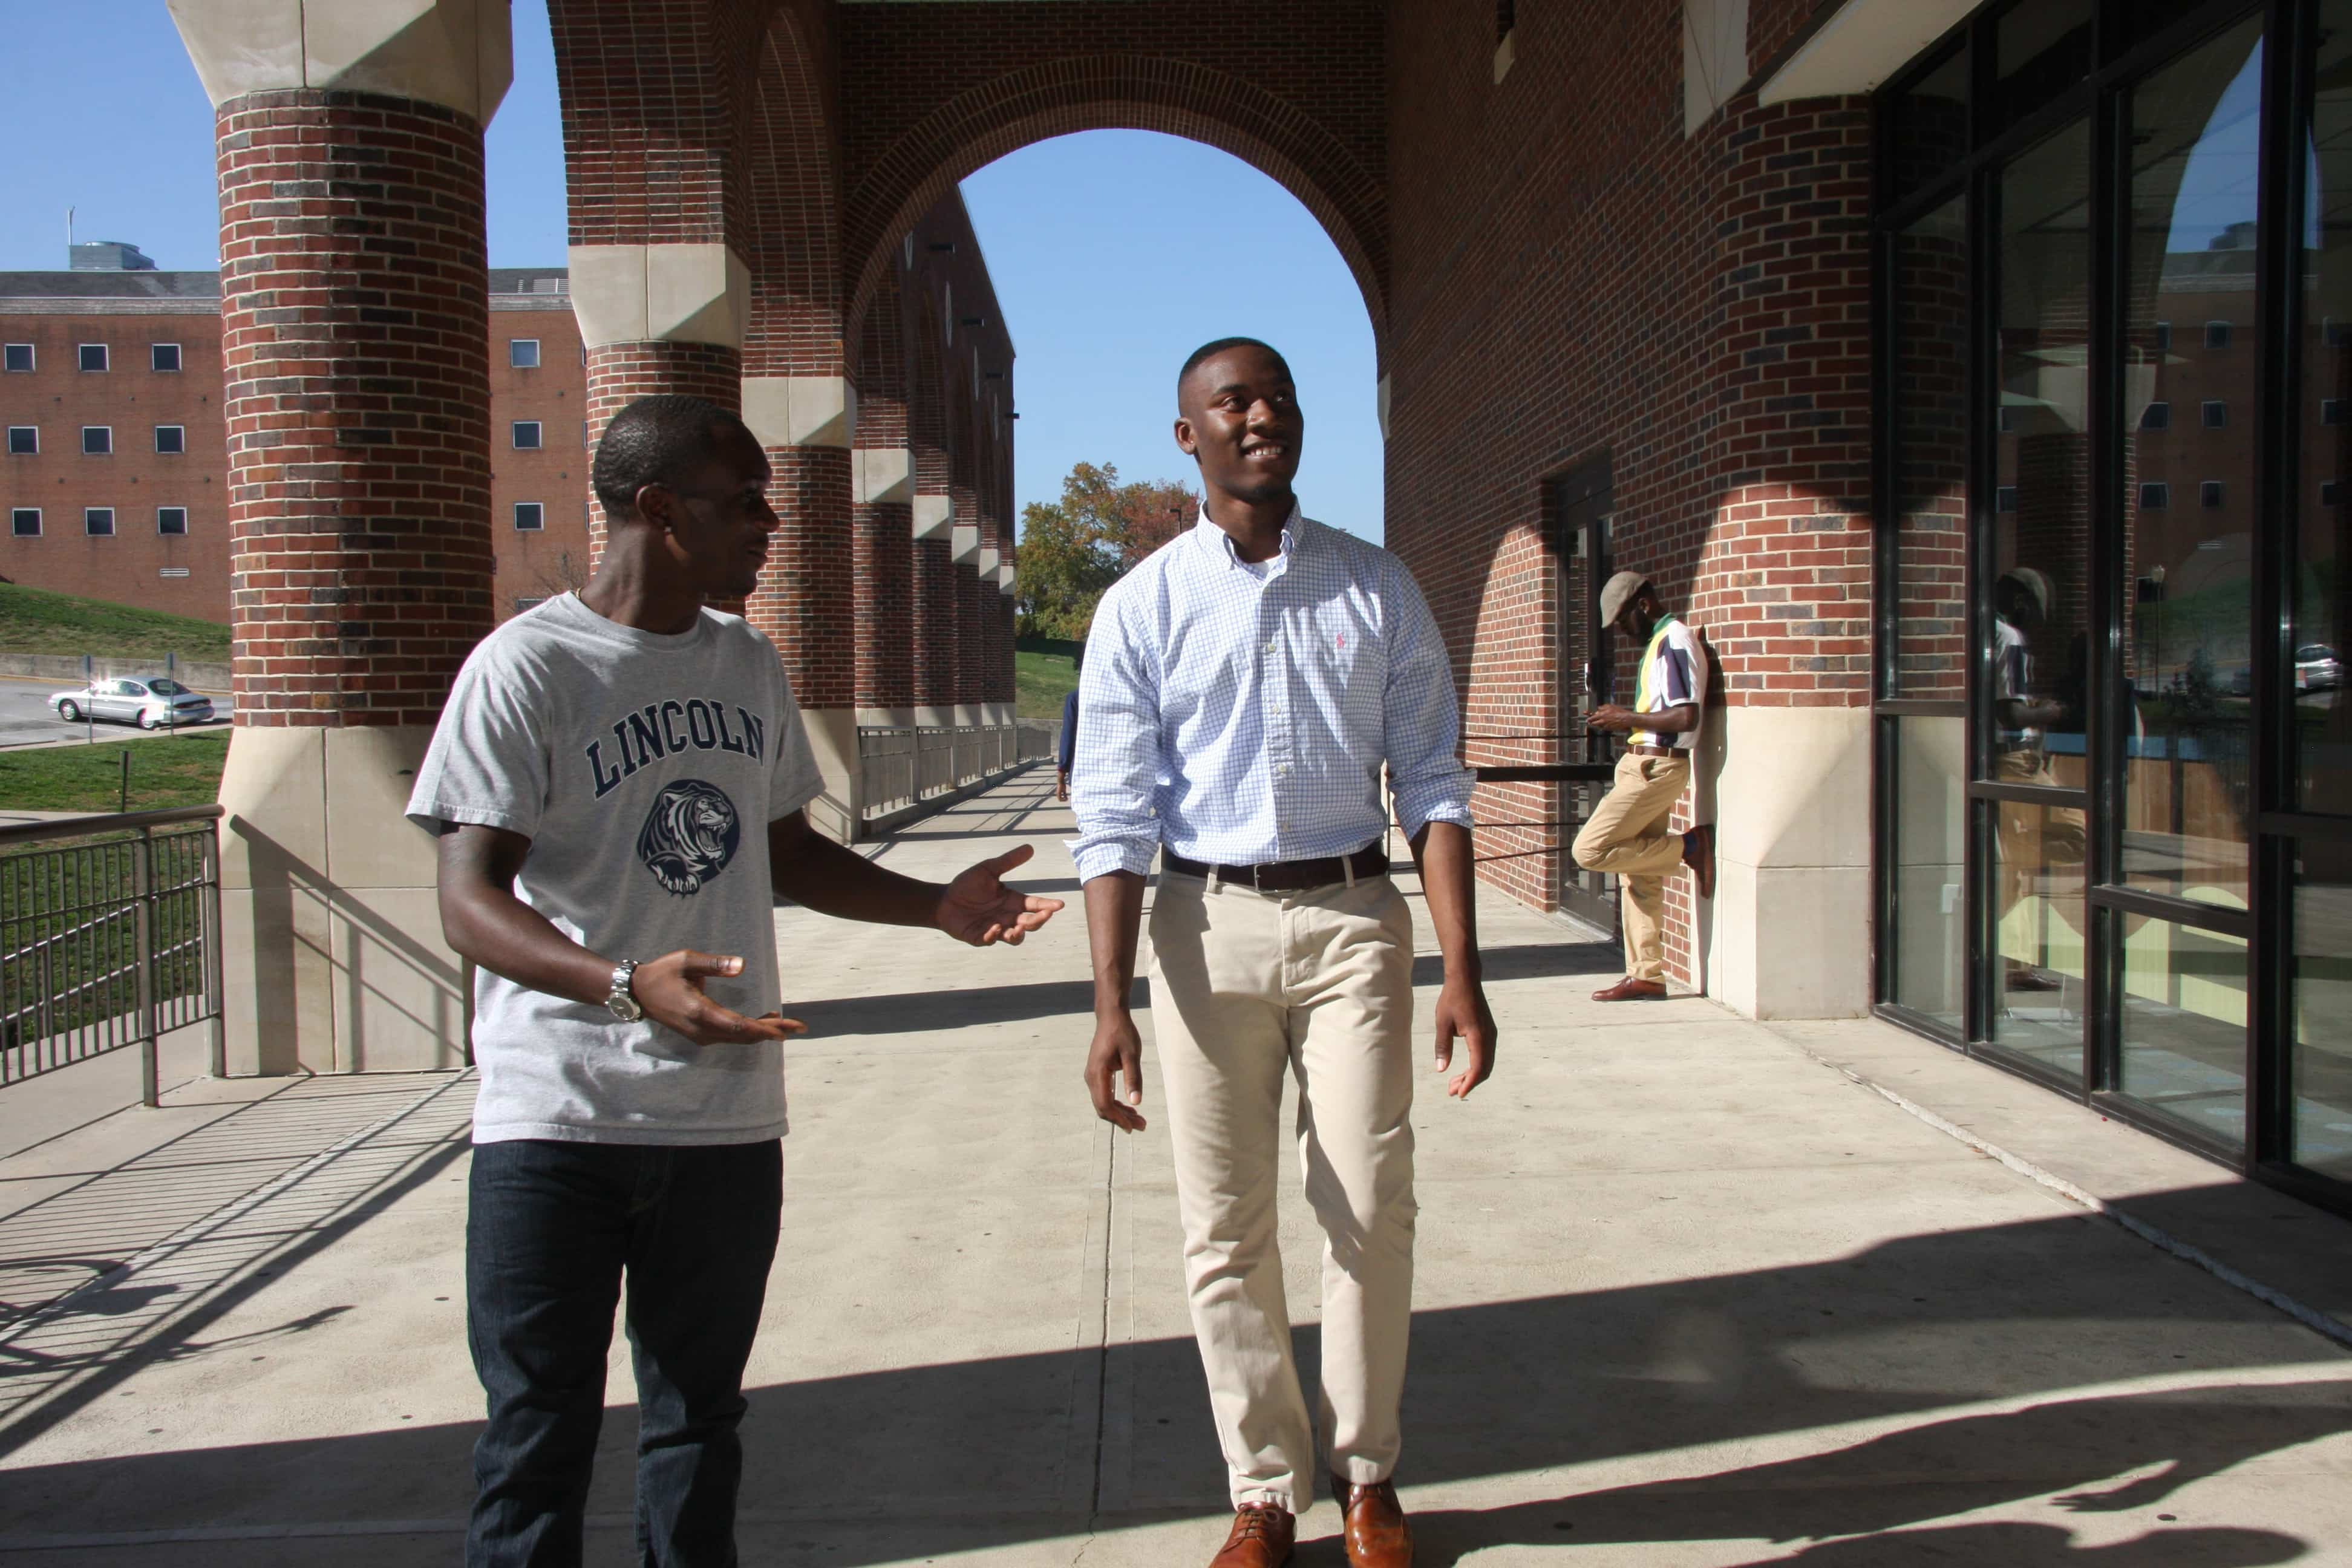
(1220, 544)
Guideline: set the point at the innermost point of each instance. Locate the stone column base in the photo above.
(1788, 933)
(333, 955)
(833, 736)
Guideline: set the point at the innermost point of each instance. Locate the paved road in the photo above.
(25, 718)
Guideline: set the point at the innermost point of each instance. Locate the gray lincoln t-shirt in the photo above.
(645, 770)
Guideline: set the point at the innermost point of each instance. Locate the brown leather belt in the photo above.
(1655, 751)
(1287, 876)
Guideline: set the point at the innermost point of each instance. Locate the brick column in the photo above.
(882, 525)
(656, 319)
(805, 601)
(355, 328)
(1782, 587)
(937, 621)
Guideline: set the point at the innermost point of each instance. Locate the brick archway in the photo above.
(1109, 92)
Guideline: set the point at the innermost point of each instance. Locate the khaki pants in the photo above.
(1244, 986)
(1627, 835)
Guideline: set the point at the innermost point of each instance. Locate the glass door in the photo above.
(1581, 503)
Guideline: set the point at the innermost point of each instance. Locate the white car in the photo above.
(150, 702)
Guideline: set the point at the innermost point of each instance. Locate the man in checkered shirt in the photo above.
(1243, 687)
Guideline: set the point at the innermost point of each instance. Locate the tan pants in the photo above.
(1244, 986)
(1627, 835)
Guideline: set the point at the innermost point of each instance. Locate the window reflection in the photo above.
(2322, 587)
(2184, 1026)
(2188, 494)
(2322, 1010)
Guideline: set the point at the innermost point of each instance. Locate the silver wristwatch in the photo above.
(622, 1000)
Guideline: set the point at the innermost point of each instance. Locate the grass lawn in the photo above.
(36, 620)
(179, 770)
(1040, 682)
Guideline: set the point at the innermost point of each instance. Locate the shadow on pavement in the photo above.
(958, 1454)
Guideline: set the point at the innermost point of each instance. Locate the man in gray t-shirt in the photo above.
(618, 783)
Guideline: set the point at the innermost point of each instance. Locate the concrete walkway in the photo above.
(1691, 1291)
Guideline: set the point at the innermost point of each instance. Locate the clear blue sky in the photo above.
(1098, 244)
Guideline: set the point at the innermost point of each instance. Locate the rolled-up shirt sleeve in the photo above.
(1422, 723)
(1114, 782)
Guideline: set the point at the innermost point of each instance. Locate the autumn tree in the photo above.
(1074, 549)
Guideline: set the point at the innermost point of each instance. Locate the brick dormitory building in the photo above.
(1974, 377)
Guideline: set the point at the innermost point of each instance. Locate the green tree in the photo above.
(1074, 549)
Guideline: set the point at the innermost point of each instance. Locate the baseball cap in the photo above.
(1618, 593)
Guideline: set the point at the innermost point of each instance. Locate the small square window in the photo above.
(2155, 496)
(526, 434)
(2331, 492)
(17, 356)
(93, 356)
(2163, 337)
(2216, 412)
(2335, 334)
(98, 521)
(170, 520)
(2005, 499)
(523, 352)
(97, 440)
(170, 438)
(2009, 418)
(24, 440)
(2157, 416)
(24, 522)
(2331, 410)
(2217, 334)
(162, 356)
(531, 516)
(2209, 492)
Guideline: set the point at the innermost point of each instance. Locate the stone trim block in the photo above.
(882, 476)
(698, 293)
(989, 560)
(964, 544)
(1861, 45)
(456, 53)
(934, 516)
(800, 410)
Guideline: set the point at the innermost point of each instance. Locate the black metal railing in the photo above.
(109, 937)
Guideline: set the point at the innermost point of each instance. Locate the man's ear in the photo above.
(655, 504)
(1185, 438)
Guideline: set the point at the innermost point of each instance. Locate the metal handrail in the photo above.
(74, 983)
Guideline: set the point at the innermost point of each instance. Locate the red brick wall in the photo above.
(882, 549)
(554, 560)
(354, 320)
(57, 399)
(1572, 278)
(805, 603)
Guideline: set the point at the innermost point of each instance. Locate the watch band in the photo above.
(621, 999)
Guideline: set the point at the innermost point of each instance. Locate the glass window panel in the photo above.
(1929, 916)
(2038, 925)
(2321, 593)
(2186, 669)
(1931, 259)
(2043, 47)
(2321, 1067)
(1931, 122)
(2039, 641)
(2184, 1025)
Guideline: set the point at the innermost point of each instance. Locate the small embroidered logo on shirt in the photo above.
(1343, 640)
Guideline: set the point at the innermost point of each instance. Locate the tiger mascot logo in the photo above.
(689, 835)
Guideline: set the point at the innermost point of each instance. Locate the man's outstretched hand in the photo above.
(670, 990)
(978, 907)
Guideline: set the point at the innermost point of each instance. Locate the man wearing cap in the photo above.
(1627, 833)
(2042, 847)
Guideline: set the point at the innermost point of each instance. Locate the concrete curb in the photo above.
(2325, 1323)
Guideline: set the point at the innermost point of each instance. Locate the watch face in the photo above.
(623, 1003)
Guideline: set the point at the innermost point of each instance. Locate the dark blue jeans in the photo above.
(551, 1230)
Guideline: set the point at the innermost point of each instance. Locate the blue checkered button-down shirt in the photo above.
(1243, 720)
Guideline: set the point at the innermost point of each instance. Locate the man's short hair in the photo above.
(657, 440)
(1220, 345)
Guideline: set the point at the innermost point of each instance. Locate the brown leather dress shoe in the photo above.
(1376, 1530)
(1261, 1538)
(1631, 990)
(1698, 854)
